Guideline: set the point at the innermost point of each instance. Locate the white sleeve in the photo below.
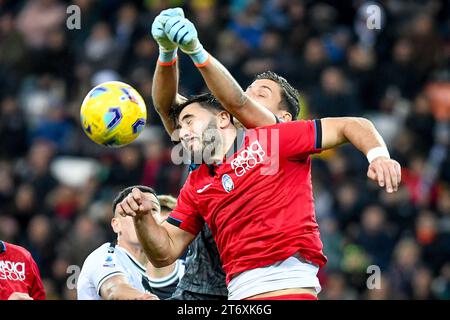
(102, 265)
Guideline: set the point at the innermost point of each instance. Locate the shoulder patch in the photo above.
(109, 262)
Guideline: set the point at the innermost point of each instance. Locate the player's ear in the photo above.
(115, 224)
(224, 119)
(286, 116)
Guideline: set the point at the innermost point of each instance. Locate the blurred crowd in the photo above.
(56, 186)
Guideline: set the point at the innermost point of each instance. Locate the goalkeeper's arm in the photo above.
(165, 80)
(219, 81)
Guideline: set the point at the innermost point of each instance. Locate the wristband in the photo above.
(200, 58)
(377, 152)
(167, 58)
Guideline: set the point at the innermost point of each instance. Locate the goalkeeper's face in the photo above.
(267, 93)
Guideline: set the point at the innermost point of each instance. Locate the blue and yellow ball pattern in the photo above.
(113, 114)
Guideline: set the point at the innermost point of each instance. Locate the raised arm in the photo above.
(225, 88)
(165, 92)
(165, 79)
(162, 243)
(364, 136)
(219, 81)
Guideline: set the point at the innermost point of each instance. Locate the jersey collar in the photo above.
(133, 260)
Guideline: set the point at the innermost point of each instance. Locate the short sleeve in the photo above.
(297, 139)
(101, 266)
(185, 215)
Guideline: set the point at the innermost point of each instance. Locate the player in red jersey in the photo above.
(255, 195)
(19, 274)
(257, 201)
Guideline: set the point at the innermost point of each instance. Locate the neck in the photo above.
(135, 250)
(228, 136)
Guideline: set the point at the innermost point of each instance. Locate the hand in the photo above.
(181, 31)
(147, 296)
(386, 172)
(158, 28)
(19, 296)
(135, 204)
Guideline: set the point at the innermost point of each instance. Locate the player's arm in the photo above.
(230, 94)
(219, 81)
(118, 288)
(164, 93)
(165, 79)
(162, 243)
(364, 136)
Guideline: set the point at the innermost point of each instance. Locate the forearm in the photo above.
(164, 92)
(155, 241)
(121, 291)
(230, 94)
(223, 86)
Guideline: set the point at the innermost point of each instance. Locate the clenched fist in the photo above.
(138, 203)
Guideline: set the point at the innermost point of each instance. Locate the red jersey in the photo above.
(258, 203)
(19, 273)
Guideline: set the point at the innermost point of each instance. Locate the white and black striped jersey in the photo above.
(105, 262)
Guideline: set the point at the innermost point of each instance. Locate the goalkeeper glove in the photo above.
(167, 48)
(182, 32)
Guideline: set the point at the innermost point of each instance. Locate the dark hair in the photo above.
(290, 97)
(206, 100)
(125, 192)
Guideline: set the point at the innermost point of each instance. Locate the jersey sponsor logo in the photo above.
(109, 262)
(248, 158)
(227, 183)
(10, 270)
(204, 188)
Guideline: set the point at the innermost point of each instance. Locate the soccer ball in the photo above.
(113, 114)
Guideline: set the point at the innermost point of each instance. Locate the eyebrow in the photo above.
(186, 116)
(263, 86)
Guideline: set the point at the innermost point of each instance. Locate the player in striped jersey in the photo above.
(116, 270)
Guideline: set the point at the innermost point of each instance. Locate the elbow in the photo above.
(161, 263)
(358, 123)
(364, 122)
(234, 103)
(156, 105)
(361, 121)
(111, 293)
